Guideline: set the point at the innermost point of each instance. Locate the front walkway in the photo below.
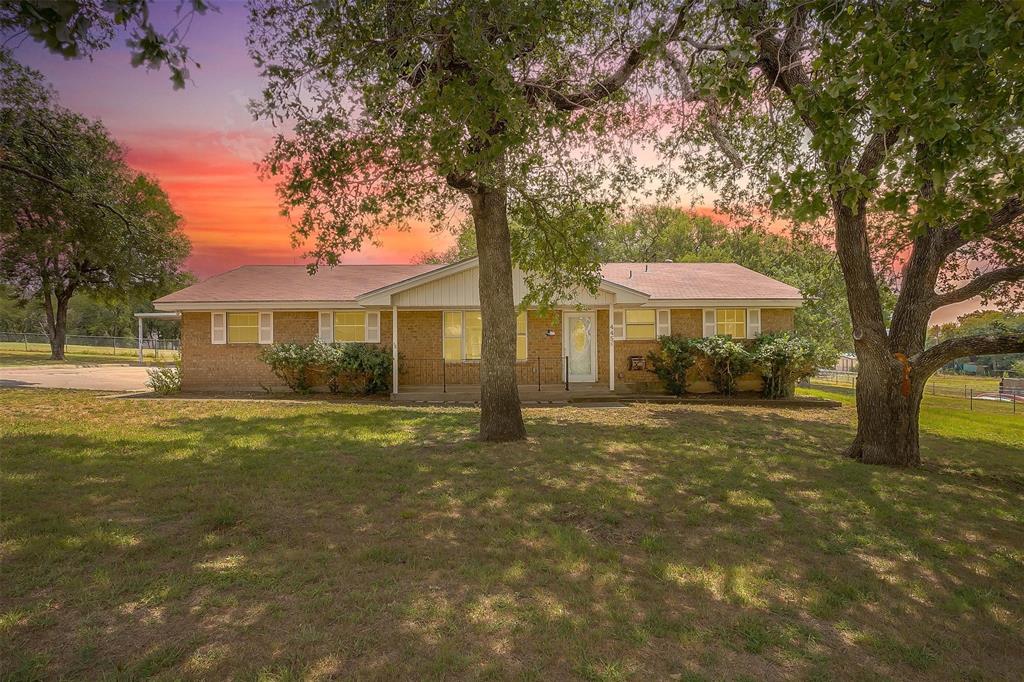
(95, 378)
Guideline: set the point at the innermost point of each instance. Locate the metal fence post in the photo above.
(972, 397)
(567, 372)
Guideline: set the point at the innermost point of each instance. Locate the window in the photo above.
(521, 335)
(453, 335)
(463, 335)
(350, 326)
(731, 322)
(641, 323)
(243, 327)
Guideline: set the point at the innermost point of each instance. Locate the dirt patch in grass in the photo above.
(249, 539)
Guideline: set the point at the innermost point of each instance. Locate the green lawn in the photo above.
(254, 540)
(13, 355)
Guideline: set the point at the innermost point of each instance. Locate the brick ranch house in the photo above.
(429, 316)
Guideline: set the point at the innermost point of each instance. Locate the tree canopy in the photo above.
(895, 128)
(73, 216)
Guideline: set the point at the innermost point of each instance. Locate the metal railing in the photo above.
(537, 371)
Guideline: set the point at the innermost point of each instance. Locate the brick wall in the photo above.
(236, 367)
(776, 319)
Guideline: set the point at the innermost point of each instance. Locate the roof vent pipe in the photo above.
(645, 267)
(630, 275)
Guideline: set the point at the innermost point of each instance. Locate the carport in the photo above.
(141, 317)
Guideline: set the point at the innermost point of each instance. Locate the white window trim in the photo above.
(753, 328)
(662, 323)
(625, 325)
(619, 324)
(371, 326)
(325, 326)
(219, 328)
(265, 328)
(229, 313)
(710, 321)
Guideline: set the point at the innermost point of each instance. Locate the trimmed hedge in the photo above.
(349, 368)
(781, 359)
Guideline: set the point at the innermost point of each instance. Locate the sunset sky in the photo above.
(202, 145)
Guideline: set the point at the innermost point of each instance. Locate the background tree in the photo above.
(80, 28)
(124, 238)
(499, 108)
(897, 128)
(980, 323)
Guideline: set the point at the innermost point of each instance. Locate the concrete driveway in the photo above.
(95, 378)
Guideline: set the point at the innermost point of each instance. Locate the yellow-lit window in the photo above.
(350, 326)
(243, 327)
(521, 336)
(474, 330)
(641, 323)
(731, 322)
(453, 335)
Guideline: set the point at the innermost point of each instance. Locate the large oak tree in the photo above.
(898, 128)
(407, 110)
(73, 216)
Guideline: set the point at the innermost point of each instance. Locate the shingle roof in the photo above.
(260, 283)
(697, 281)
(279, 283)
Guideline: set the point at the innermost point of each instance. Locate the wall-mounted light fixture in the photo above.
(550, 332)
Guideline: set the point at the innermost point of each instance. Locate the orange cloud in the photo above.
(230, 214)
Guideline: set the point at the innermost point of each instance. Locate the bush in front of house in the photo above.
(350, 368)
(357, 368)
(783, 359)
(670, 363)
(725, 362)
(165, 380)
(293, 363)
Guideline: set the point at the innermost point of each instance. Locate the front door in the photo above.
(580, 343)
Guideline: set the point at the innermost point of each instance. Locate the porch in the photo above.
(539, 379)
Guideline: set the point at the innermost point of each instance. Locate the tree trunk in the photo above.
(56, 324)
(501, 418)
(887, 420)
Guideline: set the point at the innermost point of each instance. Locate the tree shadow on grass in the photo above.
(384, 542)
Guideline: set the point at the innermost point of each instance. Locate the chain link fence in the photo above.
(128, 346)
(985, 393)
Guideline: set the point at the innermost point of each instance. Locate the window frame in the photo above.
(463, 356)
(334, 325)
(743, 322)
(653, 324)
(255, 327)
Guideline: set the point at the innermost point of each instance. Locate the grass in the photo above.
(15, 355)
(200, 539)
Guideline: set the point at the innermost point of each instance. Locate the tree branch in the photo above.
(609, 85)
(980, 285)
(1012, 209)
(713, 110)
(875, 150)
(928, 361)
(62, 188)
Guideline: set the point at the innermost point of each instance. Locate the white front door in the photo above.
(579, 342)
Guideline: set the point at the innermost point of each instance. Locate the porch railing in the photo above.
(537, 371)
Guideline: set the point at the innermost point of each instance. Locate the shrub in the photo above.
(727, 361)
(783, 359)
(165, 379)
(676, 356)
(357, 368)
(354, 368)
(293, 363)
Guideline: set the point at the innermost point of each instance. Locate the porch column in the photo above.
(140, 341)
(611, 346)
(394, 349)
